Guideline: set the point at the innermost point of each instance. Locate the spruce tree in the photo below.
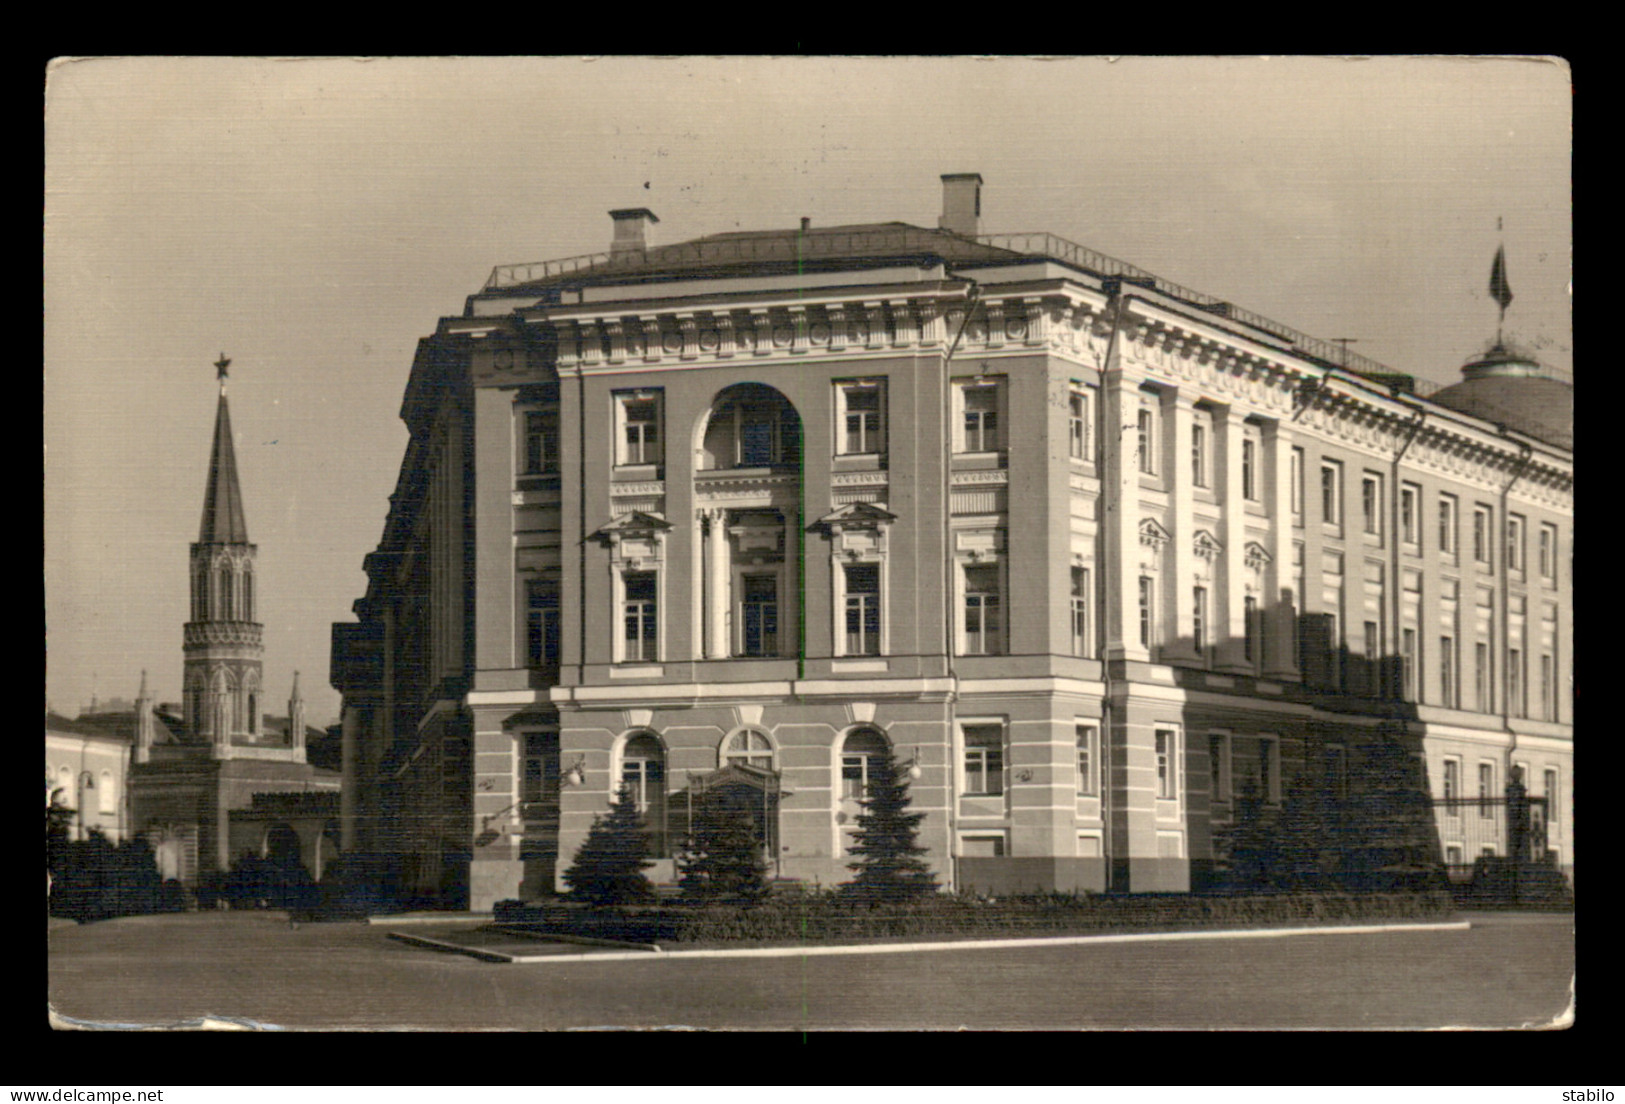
(608, 867)
(722, 863)
(889, 866)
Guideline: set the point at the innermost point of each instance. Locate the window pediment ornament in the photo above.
(1205, 546)
(1152, 535)
(1256, 556)
(853, 516)
(635, 538)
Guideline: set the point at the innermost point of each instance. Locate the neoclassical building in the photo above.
(1097, 553)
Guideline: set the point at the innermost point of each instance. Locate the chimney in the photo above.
(961, 204)
(629, 227)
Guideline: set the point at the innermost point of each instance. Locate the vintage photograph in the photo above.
(770, 543)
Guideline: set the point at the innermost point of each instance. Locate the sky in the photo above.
(313, 218)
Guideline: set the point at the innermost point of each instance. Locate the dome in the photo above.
(1511, 388)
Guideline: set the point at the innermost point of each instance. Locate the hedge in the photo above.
(813, 918)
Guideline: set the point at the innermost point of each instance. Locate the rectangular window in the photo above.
(854, 777)
(983, 623)
(1514, 542)
(1447, 673)
(1249, 469)
(862, 609)
(1486, 790)
(640, 428)
(1269, 769)
(1481, 534)
(1483, 679)
(1198, 454)
(1410, 524)
(1515, 701)
(1077, 426)
(1452, 779)
(541, 624)
(1218, 766)
(540, 778)
(1371, 503)
(1447, 524)
(1373, 660)
(1297, 482)
(863, 417)
(984, 760)
(1199, 619)
(1167, 763)
(1331, 492)
(1548, 689)
(1407, 664)
(1080, 612)
(1551, 795)
(1087, 784)
(640, 616)
(1145, 611)
(1548, 552)
(541, 451)
(981, 418)
(1250, 629)
(759, 615)
(1147, 429)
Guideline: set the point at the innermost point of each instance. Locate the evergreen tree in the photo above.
(889, 866)
(608, 868)
(722, 861)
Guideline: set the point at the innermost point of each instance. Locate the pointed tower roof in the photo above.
(223, 521)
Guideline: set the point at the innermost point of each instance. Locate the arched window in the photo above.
(643, 772)
(752, 426)
(108, 796)
(200, 595)
(748, 747)
(227, 606)
(861, 749)
(248, 594)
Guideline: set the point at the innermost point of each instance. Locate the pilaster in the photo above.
(1229, 603)
(1280, 603)
(1179, 556)
(1120, 487)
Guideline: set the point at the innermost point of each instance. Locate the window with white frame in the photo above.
(1481, 534)
(1373, 657)
(1408, 661)
(1331, 492)
(1451, 782)
(1548, 552)
(1250, 483)
(1551, 795)
(1218, 765)
(1410, 524)
(638, 417)
(1371, 503)
(1199, 619)
(640, 616)
(1200, 435)
(539, 445)
(1147, 612)
(1548, 689)
(1486, 790)
(1515, 529)
(1516, 704)
(1297, 483)
(1077, 424)
(1448, 663)
(1251, 629)
(759, 614)
(984, 759)
(107, 796)
(860, 751)
(979, 404)
(1081, 640)
(1166, 742)
(1088, 741)
(1483, 679)
(984, 627)
(539, 768)
(541, 623)
(862, 608)
(643, 774)
(861, 417)
(749, 747)
(1146, 425)
(1447, 524)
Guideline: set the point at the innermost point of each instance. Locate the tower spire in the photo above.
(223, 520)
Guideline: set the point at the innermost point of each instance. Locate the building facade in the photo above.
(1100, 555)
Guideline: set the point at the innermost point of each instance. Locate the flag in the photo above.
(1499, 290)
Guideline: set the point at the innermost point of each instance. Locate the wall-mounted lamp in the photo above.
(914, 770)
(575, 775)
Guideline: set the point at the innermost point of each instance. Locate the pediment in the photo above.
(1206, 545)
(1256, 555)
(634, 521)
(1152, 533)
(857, 515)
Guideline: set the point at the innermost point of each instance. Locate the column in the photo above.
(1120, 490)
(1229, 603)
(1279, 658)
(716, 583)
(1179, 557)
